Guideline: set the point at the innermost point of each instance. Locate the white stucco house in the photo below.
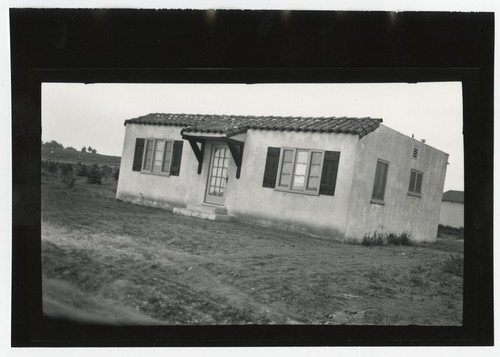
(452, 209)
(332, 177)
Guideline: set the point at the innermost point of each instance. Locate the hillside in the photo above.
(68, 155)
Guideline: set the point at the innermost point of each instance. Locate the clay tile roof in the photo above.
(236, 124)
(454, 196)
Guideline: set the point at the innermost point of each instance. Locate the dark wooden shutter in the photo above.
(139, 151)
(271, 169)
(329, 174)
(176, 158)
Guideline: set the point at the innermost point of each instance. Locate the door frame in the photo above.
(216, 145)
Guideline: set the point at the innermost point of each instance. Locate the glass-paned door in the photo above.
(217, 176)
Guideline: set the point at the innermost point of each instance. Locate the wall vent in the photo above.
(415, 153)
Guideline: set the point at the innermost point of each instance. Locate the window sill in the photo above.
(309, 193)
(377, 202)
(414, 194)
(155, 173)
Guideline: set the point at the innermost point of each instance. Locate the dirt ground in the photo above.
(113, 262)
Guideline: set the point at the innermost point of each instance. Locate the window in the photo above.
(157, 156)
(415, 187)
(379, 182)
(300, 170)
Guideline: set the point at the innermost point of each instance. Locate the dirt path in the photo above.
(182, 270)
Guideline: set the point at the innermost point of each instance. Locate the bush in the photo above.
(379, 238)
(66, 169)
(405, 238)
(106, 171)
(116, 173)
(82, 170)
(94, 175)
(454, 264)
(375, 239)
(52, 166)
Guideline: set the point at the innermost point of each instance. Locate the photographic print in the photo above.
(253, 204)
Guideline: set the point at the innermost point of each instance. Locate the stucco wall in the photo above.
(188, 187)
(322, 215)
(452, 214)
(400, 211)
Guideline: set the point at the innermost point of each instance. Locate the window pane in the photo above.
(315, 170)
(316, 158)
(418, 186)
(284, 180)
(300, 169)
(168, 155)
(149, 155)
(158, 157)
(298, 181)
(313, 183)
(287, 155)
(411, 188)
(287, 168)
(302, 156)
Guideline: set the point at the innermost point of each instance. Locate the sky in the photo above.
(77, 115)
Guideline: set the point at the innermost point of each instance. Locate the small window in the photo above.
(300, 170)
(415, 153)
(415, 182)
(379, 182)
(157, 156)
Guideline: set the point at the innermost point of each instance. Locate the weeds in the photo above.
(375, 239)
(379, 238)
(454, 264)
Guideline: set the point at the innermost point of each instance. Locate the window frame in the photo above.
(150, 171)
(290, 188)
(415, 193)
(376, 200)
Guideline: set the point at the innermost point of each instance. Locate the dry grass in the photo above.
(155, 267)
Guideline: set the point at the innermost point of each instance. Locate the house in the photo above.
(452, 209)
(331, 177)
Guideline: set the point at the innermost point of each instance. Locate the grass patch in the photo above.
(447, 231)
(454, 264)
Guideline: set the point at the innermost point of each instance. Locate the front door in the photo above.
(217, 176)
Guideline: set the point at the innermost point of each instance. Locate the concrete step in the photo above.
(205, 213)
(207, 208)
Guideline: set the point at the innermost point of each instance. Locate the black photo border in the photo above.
(175, 46)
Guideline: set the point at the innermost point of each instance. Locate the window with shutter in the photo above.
(159, 156)
(271, 168)
(138, 153)
(176, 157)
(329, 174)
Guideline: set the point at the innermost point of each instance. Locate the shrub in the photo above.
(405, 238)
(106, 171)
(375, 239)
(379, 238)
(116, 173)
(66, 169)
(82, 170)
(52, 166)
(94, 175)
(454, 264)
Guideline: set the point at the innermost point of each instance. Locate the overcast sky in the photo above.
(93, 114)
